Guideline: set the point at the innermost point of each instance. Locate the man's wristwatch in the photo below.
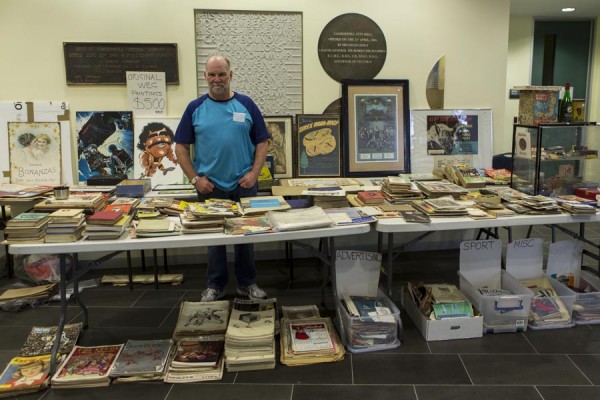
(195, 179)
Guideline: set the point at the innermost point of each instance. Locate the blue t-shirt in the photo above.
(224, 135)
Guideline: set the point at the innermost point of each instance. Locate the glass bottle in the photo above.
(566, 106)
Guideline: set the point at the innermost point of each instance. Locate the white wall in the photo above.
(472, 34)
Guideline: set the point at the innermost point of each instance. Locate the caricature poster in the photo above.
(34, 153)
(155, 151)
(104, 143)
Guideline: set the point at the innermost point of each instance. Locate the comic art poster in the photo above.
(34, 153)
(104, 143)
(376, 128)
(452, 134)
(318, 145)
(154, 154)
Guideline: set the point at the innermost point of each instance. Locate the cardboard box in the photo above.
(538, 104)
(480, 267)
(133, 188)
(443, 329)
(525, 260)
(357, 273)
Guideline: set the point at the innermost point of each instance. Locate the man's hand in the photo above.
(204, 186)
(248, 180)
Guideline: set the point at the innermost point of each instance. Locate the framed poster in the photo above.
(375, 127)
(317, 149)
(154, 152)
(104, 143)
(34, 152)
(451, 134)
(280, 144)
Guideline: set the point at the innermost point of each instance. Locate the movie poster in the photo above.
(104, 143)
(318, 145)
(34, 153)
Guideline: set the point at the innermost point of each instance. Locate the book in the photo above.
(262, 204)
(13, 190)
(371, 197)
(460, 309)
(133, 187)
(25, 375)
(122, 223)
(104, 217)
(87, 367)
(469, 177)
(195, 352)
(29, 219)
(247, 225)
(371, 309)
(143, 357)
(348, 215)
(121, 208)
(414, 216)
(41, 339)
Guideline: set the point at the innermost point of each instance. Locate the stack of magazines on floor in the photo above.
(250, 337)
(200, 335)
(142, 360)
(307, 338)
(547, 308)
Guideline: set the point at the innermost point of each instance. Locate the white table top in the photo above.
(185, 240)
(393, 225)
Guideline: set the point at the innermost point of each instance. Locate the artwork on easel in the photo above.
(104, 143)
(154, 152)
(33, 153)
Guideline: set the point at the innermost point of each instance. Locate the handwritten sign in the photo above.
(147, 93)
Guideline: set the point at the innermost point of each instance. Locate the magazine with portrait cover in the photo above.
(25, 375)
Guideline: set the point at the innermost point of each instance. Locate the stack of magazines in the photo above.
(298, 219)
(201, 318)
(250, 337)
(142, 360)
(197, 359)
(87, 367)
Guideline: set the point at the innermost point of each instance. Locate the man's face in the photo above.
(218, 75)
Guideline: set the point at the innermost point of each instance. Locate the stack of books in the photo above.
(309, 341)
(201, 318)
(349, 216)
(142, 360)
(101, 228)
(27, 227)
(247, 225)
(192, 223)
(86, 367)
(197, 359)
(90, 203)
(440, 207)
(65, 225)
(298, 219)
(435, 189)
(447, 301)
(371, 197)
(125, 205)
(400, 189)
(154, 227)
(262, 204)
(250, 337)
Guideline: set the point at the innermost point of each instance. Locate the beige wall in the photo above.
(472, 34)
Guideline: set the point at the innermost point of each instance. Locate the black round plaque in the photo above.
(352, 46)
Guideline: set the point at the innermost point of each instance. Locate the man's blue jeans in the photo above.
(244, 266)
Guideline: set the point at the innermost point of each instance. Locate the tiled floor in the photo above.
(549, 365)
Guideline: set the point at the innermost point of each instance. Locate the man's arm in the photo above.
(182, 151)
(260, 155)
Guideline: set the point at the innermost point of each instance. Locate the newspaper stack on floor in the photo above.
(309, 341)
(142, 360)
(202, 318)
(197, 359)
(250, 337)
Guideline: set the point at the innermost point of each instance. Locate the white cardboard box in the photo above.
(480, 266)
(443, 329)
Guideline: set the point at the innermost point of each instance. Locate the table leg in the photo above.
(155, 256)
(129, 270)
(63, 311)
(389, 261)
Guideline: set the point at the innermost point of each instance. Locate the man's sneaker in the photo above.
(211, 294)
(252, 291)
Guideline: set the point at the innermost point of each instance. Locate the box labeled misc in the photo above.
(552, 302)
(503, 301)
(366, 318)
(538, 104)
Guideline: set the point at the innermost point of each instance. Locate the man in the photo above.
(230, 148)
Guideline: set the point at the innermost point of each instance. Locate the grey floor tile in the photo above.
(503, 369)
(108, 296)
(445, 392)
(581, 339)
(96, 336)
(128, 391)
(589, 365)
(13, 337)
(38, 316)
(209, 390)
(411, 369)
(325, 373)
(489, 343)
(569, 392)
(354, 392)
(118, 317)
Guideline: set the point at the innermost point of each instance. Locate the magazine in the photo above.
(25, 375)
(41, 338)
(87, 367)
(143, 357)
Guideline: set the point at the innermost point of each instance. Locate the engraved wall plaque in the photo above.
(265, 49)
(352, 46)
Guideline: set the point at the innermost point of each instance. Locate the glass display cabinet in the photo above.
(556, 159)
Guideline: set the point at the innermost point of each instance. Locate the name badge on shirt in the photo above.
(239, 117)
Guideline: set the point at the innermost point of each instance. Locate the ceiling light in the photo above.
(568, 9)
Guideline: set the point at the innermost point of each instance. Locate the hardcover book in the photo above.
(371, 197)
(104, 217)
(262, 204)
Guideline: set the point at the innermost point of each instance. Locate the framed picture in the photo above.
(375, 127)
(460, 136)
(317, 148)
(280, 145)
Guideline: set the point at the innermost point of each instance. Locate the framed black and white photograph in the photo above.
(375, 127)
(317, 148)
(280, 144)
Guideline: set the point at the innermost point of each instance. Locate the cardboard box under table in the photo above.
(483, 282)
(443, 329)
(357, 274)
(525, 260)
